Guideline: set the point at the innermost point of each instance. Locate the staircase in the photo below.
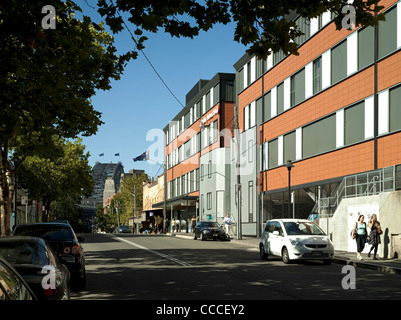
(359, 185)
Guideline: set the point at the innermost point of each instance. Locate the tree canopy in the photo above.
(262, 25)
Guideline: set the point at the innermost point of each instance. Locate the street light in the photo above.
(289, 165)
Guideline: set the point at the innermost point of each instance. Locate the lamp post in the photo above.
(289, 166)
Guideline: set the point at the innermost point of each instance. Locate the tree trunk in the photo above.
(6, 196)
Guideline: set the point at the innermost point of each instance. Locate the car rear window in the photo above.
(47, 232)
(23, 253)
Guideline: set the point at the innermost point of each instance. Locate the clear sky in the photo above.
(140, 102)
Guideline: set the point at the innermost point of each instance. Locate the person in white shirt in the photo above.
(227, 222)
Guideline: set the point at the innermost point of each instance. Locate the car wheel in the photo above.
(262, 252)
(285, 256)
(194, 236)
(202, 237)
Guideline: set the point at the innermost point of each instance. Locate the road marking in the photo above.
(183, 263)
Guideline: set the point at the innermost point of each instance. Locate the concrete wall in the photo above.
(389, 216)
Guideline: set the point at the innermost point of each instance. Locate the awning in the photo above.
(177, 201)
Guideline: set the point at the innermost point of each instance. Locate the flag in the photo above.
(117, 154)
(101, 155)
(143, 157)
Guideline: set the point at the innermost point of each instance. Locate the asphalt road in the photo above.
(158, 267)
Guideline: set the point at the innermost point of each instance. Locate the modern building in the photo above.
(202, 130)
(334, 111)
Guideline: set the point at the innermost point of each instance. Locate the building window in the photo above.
(317, 75)
(250, 200)
(289, 146)
(280, 98)
(208, 106)
(395, 109)
(388, 33)
(354, 123)
(319, 137)
(209, 201)
(298, 87)
(240, 80)
(339, 62)
(216, 94)
(267, 112)
(273, 154)
(250, 151)
(209, 169)
(202, 171)
(366, 50)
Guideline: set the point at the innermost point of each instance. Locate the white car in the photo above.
(295, 239)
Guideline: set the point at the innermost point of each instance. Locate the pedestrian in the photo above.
(193, 223)
(374, 235)
(359, 233)
(227, 223)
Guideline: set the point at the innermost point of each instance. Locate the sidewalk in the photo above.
(392, 266)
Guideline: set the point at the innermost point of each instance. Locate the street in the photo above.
(159, 267)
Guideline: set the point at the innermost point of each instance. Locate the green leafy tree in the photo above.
(62, 174)
(261, 25)
(105, 221)
(47, 79)
(126, 199)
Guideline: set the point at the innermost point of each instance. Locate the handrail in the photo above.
(358, 185)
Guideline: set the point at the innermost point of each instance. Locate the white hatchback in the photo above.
(295, 239)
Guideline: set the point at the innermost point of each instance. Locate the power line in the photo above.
(147, 59)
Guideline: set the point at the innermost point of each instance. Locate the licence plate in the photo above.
(317, 253)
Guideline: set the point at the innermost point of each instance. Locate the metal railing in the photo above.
(358, 185)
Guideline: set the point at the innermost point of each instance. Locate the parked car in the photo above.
(12, 284)
(122, 229)
(64, 242)
(210, 230)
(295, 239)
(37, 263)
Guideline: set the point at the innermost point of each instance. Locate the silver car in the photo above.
(295, 239)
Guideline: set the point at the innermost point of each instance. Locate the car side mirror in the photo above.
(276, 233)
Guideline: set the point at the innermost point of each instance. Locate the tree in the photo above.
(105, 221)
(60, 173)
(126, 199)
(47, 78)
(263, 25)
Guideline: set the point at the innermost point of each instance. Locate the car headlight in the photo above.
(296, 243)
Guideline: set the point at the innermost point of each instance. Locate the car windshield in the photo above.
(302, 228)
(210, 225)
(23, 253)
(47, 232)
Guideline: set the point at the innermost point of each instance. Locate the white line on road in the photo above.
(152, 251)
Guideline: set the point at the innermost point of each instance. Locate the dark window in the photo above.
(354, 123)
(366, 47)
(395, 108)
(339, 62)
(317, 75)
(388, 33)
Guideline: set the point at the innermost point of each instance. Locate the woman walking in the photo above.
(374, 236)
(359, 233)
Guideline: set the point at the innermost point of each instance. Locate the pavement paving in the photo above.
(392, 266)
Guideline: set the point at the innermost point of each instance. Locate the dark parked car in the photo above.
(122, 229)
(64, 242)
(37, 263)
(209, 230)
(12, 285)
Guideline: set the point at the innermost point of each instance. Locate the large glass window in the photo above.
(280, 98)
(366, 47)
(317, 75)
(354, 123)
(267, 107)
(339, 62)
(289, 146)
(395, 109)
(298, 87)
(273, 153)
(319, 137)
(388, 33)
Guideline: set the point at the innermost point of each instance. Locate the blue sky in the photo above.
(139, 101)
